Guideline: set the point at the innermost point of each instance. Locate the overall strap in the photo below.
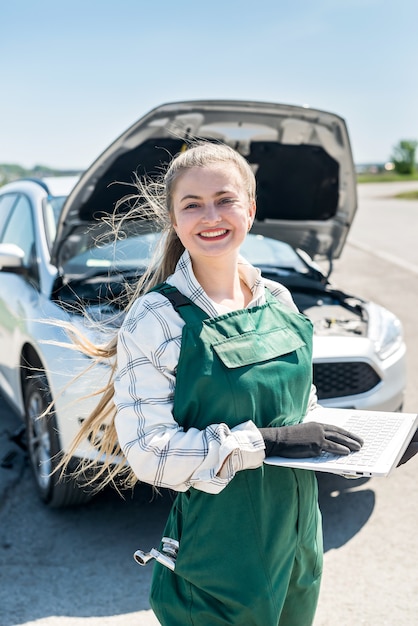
(187, 310)
(269, 295)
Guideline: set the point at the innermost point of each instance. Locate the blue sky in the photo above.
(77, 73)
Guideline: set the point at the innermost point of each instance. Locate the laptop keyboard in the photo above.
(377, 434)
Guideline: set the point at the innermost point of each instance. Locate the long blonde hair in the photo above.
(151, 200)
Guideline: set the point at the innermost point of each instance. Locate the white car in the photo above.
(54, 256)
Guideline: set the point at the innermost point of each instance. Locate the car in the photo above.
(60, 264)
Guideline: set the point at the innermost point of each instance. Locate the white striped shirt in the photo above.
(158, 450)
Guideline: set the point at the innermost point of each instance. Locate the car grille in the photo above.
(335, 380)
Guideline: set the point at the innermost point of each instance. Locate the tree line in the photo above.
(12, 171)
(403, 157)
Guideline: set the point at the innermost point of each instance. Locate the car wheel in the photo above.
(44, 447)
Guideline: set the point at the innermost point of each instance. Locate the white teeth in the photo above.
(213, 233)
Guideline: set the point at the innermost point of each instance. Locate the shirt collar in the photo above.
(186, 282)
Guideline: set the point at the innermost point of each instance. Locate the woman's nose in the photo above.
(211, 213)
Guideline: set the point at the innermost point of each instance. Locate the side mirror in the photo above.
(11, 257)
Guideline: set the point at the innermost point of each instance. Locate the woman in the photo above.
(214, 373)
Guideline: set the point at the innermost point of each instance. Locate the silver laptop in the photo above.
(386, 436)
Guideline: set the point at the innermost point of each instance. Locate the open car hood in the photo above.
(306, 183)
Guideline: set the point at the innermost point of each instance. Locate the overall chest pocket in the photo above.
(256, 347)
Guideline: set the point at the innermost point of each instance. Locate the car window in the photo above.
(20, 230)
(6, 203)
(50, 223)
(52, 210)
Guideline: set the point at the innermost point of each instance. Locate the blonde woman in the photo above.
(213, 374)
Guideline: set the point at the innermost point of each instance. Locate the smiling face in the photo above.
(211, 211)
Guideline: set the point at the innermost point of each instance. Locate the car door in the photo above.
(19, 293)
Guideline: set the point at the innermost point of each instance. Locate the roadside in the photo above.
(372, 578)
(12, 456)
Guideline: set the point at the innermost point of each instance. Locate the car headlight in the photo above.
(385, 330)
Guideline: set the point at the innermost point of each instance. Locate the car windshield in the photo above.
(134, 251)
(271, 253)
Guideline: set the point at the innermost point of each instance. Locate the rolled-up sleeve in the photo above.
(158, 450)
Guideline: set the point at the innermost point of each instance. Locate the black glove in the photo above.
(309, 439)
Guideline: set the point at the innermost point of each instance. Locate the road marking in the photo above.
(386, 256)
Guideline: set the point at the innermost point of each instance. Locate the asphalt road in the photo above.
(75, 567)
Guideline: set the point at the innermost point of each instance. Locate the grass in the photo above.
(408, 195)
(386, 177)
(391, 177)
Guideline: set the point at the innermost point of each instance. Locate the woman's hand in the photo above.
(308, 440)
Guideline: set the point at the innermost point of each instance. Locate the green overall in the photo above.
(250, 555)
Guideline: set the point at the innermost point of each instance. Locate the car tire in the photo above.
(44, 449)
